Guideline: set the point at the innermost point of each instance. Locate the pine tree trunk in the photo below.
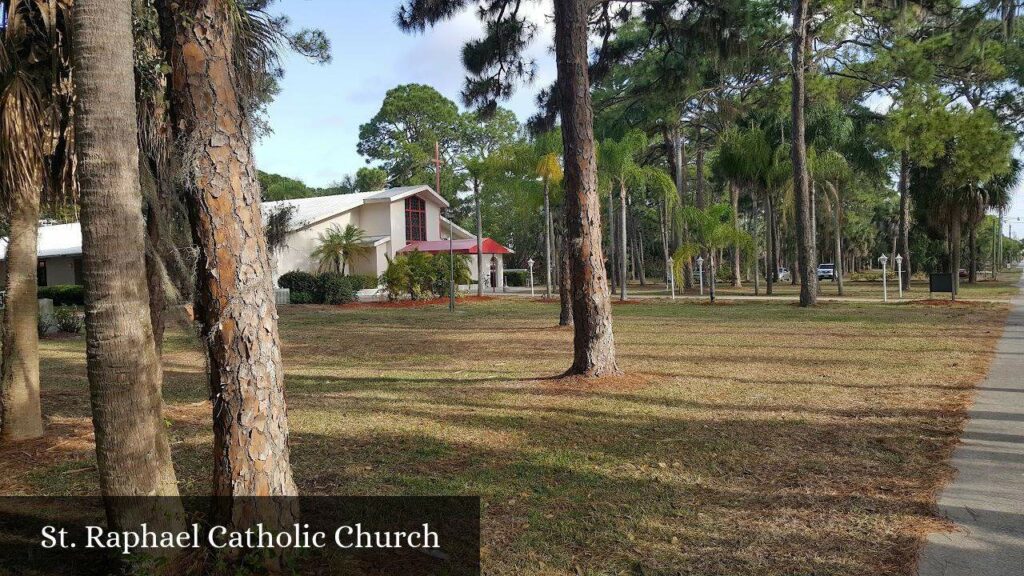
(20, 413)
(594, 342)
(235, 295)
(806, 255)
(480, 239)
(904, 189)
(125, 376)
(564, 286)
(701, 202)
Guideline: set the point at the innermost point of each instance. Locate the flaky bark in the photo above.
(235, 295)
(20, 413)
(594, 342)
(132, 450)
(806, 249)
(564, 284)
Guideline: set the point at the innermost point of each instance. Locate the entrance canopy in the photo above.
(458, 246)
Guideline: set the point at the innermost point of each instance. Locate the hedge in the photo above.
(335, 288)
(298, 281)
(64, 295)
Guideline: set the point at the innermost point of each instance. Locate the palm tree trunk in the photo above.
(547, 240)
(594, 342)
(712, 276)
(665, 240)
(734, 191)
(770, 258)
(132, 451)
(20, 413)
(613, 247)
(236, 297)
(837, 224)
(624, 278)
(480, 237)
(972, 246)
(955, 248)
(806, 254)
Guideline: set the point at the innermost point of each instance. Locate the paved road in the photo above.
(986, 500)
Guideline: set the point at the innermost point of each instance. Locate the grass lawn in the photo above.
(1004, 288)
(751, 438)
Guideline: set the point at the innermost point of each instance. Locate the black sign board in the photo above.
(940, 282)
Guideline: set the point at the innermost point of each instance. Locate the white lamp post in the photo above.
(883, 259)
(530, 264)
(899, 272)
(700, 272)
(672, 275)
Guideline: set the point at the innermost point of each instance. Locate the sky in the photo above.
(316, 118)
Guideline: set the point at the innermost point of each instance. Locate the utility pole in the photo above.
(451, 229)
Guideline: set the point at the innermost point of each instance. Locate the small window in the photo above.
(415, 219)
(41, 273)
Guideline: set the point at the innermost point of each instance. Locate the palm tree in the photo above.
(711, 230)
(132, 450)
(549, 170)
(219, 52)
(996, 194)
(337, 247)
(34, 118)
(618, 162)
(832, 170)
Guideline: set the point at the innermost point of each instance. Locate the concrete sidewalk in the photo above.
(986, 499)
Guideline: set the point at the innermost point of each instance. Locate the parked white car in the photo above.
(827, 272)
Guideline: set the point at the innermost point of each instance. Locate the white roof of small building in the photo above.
(66, 239)
(54, 240)
(309, 211)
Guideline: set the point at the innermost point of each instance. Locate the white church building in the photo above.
(394, 221)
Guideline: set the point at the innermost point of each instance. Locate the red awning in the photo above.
(457, 246)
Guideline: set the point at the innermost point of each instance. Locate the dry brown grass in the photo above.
(756, 438)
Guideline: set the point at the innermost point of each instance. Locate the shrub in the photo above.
(44, 324)
(522, 278)
(363, 281)
(442, 274)
(335, 288)
(302, 298)
(419, 275)
(68, 319)
(64, 295)
(396, 278)
(298, 281)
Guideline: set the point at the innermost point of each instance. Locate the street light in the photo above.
(671, 264)
(700, 272)
(530, 264)
(899, 272)
(883, 259)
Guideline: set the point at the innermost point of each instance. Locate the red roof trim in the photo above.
(458, 246)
